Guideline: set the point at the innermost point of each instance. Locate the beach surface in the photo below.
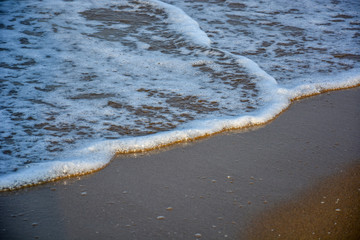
(228, 186)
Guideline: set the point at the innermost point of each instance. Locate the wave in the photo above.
(97, 155)
(138, 36)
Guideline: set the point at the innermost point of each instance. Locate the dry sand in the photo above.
(222, 187)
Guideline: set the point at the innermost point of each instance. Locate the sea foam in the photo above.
(79, 86)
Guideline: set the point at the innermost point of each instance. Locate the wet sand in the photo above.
(328, 210)
(222, 187)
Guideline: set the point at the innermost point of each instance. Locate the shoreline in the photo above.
(171, 143)
(212, 186)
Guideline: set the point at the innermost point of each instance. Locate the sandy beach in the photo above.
(329, 210)
(234, 185)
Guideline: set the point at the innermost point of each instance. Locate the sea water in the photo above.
(83, 80)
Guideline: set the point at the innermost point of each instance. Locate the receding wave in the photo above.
(83, 81)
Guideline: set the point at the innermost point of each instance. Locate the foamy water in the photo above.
(83, 80)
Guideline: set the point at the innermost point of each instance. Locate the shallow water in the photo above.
(81, 81)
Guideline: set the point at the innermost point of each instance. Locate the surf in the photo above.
(127, 76)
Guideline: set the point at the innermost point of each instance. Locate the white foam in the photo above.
(326, 83)
(98, 155)
(288, 40)
(134, 78)
(182, 23)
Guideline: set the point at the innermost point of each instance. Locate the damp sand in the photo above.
(328, 210)
(209, 189)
